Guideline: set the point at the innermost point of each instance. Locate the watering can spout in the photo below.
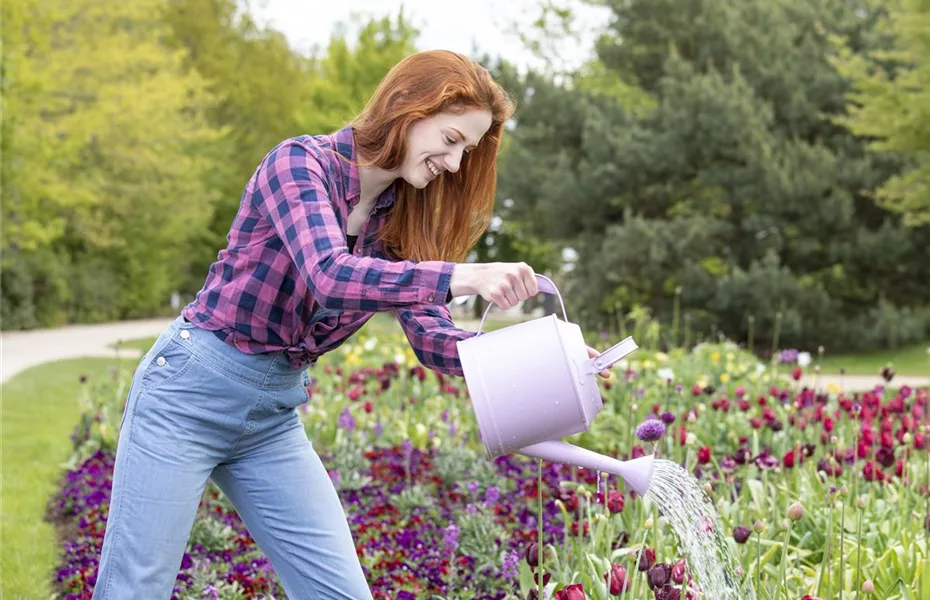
(637, 472)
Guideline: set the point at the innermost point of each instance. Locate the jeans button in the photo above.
(185, 334)
(160, 361)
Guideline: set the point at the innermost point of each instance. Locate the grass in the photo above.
(907, 360)
(40, 408)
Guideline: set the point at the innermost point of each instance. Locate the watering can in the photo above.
(533, 383)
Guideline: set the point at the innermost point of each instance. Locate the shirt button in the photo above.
(185, 334)
(430, 297)
(160, 361)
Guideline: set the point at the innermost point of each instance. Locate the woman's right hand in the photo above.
(502, 284)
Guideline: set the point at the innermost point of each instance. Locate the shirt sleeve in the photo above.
(433, 336)
(291, 195)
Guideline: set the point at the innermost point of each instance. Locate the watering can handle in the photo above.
(546, 287)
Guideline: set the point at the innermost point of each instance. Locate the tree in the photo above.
(729, 167)
(890, 103)
(102, 161)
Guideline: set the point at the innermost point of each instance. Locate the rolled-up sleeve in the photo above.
(291, 194)
(433, 337)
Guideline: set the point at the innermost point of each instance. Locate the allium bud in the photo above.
(868, 587)
(759, 527)
(795, 511)
(741, 534)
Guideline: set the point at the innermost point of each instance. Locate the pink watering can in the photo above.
(533, 383)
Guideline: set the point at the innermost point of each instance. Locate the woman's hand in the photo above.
(502, 284)
(591, 354)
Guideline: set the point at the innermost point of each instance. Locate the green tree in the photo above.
(730, 168)
(891, 103)
(102, 162)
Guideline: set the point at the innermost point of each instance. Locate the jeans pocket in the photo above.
(168, 362)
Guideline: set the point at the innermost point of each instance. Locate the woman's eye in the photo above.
(449, 140)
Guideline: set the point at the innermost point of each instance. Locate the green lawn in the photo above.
(39, 410)
(908, 360)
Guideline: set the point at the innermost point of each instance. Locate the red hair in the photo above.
(445, 219)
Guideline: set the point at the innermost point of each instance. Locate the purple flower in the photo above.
(509, 568)
(788, 356)
(451, 537)
(346, 420)
(650, 430)
(668, 417)
(491, 495)
(379, 429)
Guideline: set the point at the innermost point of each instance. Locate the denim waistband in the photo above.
(270, 370)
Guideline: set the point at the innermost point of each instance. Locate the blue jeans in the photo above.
(199, 408)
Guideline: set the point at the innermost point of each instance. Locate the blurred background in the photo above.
(754, 169)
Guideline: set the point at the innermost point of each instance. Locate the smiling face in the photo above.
(438, 143)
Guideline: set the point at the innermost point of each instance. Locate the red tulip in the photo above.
(796, 373)
(617, 581)
(571, 592)
(704, 455)
(678, 571)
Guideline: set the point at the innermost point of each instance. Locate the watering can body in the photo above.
(533, 383)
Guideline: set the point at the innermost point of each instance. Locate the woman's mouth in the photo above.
(432, 168)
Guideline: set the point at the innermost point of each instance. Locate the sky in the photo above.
(457, 25)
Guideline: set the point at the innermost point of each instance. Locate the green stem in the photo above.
(539, 530)
(758, 561)
(782, 579)
(859, 555)
(842, 554)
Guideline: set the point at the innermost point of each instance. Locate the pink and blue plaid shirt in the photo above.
(286, 280)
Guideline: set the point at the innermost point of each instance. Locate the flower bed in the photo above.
(817, 491)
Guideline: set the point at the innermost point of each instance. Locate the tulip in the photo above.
(617, 581)
(571, 592)
(659, 575)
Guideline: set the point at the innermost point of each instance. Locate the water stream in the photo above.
(694, 519)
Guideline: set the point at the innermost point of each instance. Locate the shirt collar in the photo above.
(344, 142)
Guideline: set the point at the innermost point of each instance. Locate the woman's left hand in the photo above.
(591, 354)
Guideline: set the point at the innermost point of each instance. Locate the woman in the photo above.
(331, 229)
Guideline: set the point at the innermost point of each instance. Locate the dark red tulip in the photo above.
(678, 571)
(617, 581)
(532, 554)
(885, 457)
(668, 592)
(659, 575)
(646, 559)
(615, 501)
(571, 592)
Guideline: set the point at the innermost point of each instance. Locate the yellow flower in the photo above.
(833, 388)
(661, 357)
(724, 377)
(715, 357)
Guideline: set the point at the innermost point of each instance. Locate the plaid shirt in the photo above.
(286, 280)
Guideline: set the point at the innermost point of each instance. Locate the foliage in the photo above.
(732, 173)
(890, 103)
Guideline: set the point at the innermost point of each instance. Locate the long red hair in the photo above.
(445, 219)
